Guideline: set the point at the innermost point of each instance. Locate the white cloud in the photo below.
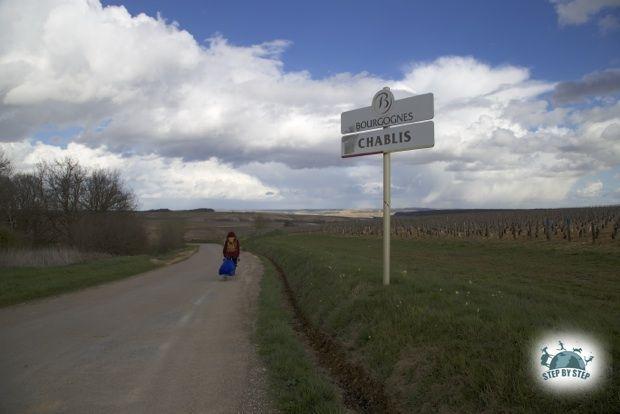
(183, 120)
(575, 12)
(151, 176)
(592, 189)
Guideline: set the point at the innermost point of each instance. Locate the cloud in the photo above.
(157, 90)
(608, 24)
(192, 123)
(576, 12)
(597, 83)
(75, 62)
(151, 176)
(592, 189)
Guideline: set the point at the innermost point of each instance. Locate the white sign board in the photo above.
(402, 138)
(386, 111)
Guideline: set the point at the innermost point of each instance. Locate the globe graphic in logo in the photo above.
(567, 359)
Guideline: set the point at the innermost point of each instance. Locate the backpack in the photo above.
(231, 245)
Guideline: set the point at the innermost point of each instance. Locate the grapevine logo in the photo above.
(569, 362)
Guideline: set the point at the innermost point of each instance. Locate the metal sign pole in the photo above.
(386, 217)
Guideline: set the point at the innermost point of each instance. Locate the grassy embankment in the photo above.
(452, 333)
(19, 284)
(295, 385)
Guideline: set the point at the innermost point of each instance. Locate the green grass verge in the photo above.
(20, 284)
(176, 255)
(295, 385)
(452, 332)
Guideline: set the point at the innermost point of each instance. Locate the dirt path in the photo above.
(174, 340)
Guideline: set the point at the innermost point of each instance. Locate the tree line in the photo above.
(63, 203)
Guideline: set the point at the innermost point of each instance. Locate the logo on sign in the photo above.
(382, 101)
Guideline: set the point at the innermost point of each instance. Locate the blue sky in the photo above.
(383, 37)
(236, 105)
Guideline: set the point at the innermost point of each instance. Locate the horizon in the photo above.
(394, 209)
(237, 106)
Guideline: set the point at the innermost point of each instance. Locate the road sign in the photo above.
(386, 111)
(402, 138)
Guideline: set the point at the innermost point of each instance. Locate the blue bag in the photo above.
(227, 267)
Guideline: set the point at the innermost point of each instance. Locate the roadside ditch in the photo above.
(361, 392)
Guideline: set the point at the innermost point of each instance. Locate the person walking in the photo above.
(231, 247)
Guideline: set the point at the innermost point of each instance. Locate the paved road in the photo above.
(173, 340)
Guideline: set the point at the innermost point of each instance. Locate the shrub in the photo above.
(119, 233)
(7, 238)
(48, 256)
(170, 237)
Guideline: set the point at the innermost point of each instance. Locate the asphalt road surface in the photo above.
(173, 340)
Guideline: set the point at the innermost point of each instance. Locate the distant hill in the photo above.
(167, 210)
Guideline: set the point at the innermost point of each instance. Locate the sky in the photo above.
(236, 105)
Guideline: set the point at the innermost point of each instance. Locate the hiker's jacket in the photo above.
(231, 246)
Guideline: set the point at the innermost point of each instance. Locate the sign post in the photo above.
(411, 134)
(386, 216)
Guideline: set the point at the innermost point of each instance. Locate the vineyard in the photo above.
(590, 224)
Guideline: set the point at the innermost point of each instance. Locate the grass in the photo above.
(20, 284)
(452, 332)
(176, 255)
(294, 383)
(45, 256)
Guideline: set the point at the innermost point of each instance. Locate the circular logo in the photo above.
(569, 362)
(382, 101)
(567, 359)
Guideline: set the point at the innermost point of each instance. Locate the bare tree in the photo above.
(105, 191)
(30, 192)
(64, 186)
(6, 197)
(5, 165)
(65, 180)
(107, 222)
(30, 207)
(62, 202)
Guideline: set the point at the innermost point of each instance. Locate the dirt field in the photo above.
(213, 226)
